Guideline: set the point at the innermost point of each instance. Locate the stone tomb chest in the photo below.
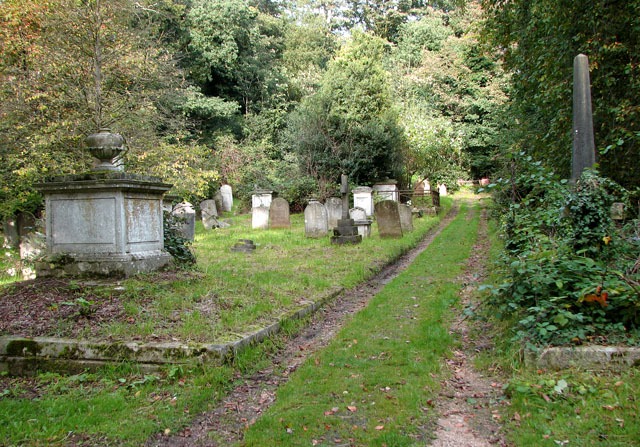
(106, 223)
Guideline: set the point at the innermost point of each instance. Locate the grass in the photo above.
(235, 293)
(10, 266)
(570, 407)
(372, 386)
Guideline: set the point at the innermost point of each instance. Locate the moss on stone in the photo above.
(18, 348)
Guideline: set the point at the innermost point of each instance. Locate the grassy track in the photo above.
(373, 384)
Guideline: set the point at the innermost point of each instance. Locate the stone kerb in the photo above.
(260, 218)
(406, 217)
(279, 214)
(593, 358)
(316, 222)
(334, 211)
(388, 219)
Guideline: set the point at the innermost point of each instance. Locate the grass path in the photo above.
(375, 384)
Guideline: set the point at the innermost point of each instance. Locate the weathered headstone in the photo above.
(334, 211)
(279, 214)
(10, 233)
(261, 197)
(617, 211)
(260, 217)
(227, 197)
(442, 190)
(209, 214)
(387, 190)
(187, 213)
(345, 232)
(406, 217)
(217, 197)
(363, 198)
(361, 221)
(584, 148)
(316, 223)
(388, 219)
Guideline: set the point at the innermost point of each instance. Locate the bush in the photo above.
(570, 272)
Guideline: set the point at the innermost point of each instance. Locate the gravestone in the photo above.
(388, 219)
(387, 190)
(316, 223)
(187, 227)
(279, 214)
(227, 197)
(363, 198)
(361, 221)
(260, 218)
(217, 197)
(617, 211)
(583, 154)
(442, 190)
(334, 211)
(406, 217)
(10, 233)
(209, 214)
(261, 197)
(345, 232)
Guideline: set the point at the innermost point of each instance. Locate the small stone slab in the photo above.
(334, 211)
(316, 223)
(597, 358)
(279, 214)
(406, 217)
(244, 246)
(388, 219)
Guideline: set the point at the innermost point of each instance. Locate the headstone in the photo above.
(345, 232)
(334, 211)
(442, 189)
(209, 214)
(584, 148)
(260, 218)
(363, 198)
(387, 190)
(10, 233)
(406, 217)
(31, 246)
(279, 214)
(617, 211)
(227, 197)
(244, 246)
(218, 199)
(361, 221)
(186, 212)
(316, 223)
(388, 219)
(261, 197)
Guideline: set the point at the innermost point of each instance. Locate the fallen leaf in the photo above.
(379, 427)
(546, 398)
(167, 431)
(608, 407)
(351, 408)
(516, 416)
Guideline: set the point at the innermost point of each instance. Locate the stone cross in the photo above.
(344, 190)
(584, 152)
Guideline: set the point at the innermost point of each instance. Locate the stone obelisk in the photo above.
(584, 149)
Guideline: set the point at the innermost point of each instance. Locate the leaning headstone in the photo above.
(406, 217)
(388, 219)
(227, 197)
(583, 154)
(187, 227)
(361, 221)
(209, 214)
(345, 232)
(334, 211)
(363, 198)
(279, 214)
(260, 218)
(316, 223)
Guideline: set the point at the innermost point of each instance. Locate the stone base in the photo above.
(102, 265)
(341, 240)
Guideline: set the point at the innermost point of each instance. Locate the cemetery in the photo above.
(255, 223)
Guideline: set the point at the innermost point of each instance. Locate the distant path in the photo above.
(225, 424)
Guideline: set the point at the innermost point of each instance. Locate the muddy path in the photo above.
(226, 423)
(469, 399)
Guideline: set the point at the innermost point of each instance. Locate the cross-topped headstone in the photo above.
(346, 232)
(584, 150)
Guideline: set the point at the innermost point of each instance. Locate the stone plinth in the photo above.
(105, 224)
(363, 198)
(387, 190)
(261, 197)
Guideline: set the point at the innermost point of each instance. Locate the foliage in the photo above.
(174, 243)
(539, 39)
(570, 273)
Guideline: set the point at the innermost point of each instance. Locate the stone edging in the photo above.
(596, 357)
(24, 356)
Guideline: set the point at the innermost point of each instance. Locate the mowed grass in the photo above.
(375, 383)
(571, 407)
(232, 293)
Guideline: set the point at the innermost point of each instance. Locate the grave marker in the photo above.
(316, 223)
(583, 155)
(388, 219)
(279, 214)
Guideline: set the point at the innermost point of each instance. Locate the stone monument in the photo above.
(279, 214)
(406, 217)
(227, 197)
(316, 224)
(363, 198)
(261, 197)
(387, 190)
(187, 215)
(209, 213)
(105, 222)
(361, 221)
(388, 219)
(345, 232)
(583, 154)
(260, 218)
(334, 211)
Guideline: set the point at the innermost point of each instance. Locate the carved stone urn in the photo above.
(107, 147)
